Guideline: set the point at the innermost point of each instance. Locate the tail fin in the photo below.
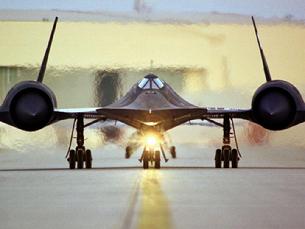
(46, 54)
(265, 64)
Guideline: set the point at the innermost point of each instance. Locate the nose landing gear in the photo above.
(152, 157)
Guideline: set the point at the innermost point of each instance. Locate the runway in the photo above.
(37, 191)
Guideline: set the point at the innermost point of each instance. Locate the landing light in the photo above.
(151, 140)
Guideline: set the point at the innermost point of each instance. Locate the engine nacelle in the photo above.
(275, 105)
(30, 105)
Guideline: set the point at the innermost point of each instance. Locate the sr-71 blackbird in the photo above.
(152, 107)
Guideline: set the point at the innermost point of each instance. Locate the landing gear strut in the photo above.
(80, 155)
(226, 154)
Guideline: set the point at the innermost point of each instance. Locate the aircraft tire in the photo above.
(80, 158)
(157, 160)
(145, 164)
(218, 158)
(146, 158)
(88, 159)
(234, 155)
(226, 158)
(72, 159)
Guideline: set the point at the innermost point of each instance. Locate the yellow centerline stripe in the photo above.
(154, 208)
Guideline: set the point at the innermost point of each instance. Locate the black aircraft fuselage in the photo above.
(152, 103)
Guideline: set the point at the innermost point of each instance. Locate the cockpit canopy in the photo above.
(151, 81)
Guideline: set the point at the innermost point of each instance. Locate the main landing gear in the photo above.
(226, 154)
(80, 155)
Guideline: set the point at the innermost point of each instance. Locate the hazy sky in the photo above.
(263, 8)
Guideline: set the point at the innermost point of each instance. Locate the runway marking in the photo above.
(154, 209)
(133, 199)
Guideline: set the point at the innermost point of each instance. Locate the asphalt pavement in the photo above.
(38, 191)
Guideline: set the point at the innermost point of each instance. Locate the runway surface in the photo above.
(37, 191)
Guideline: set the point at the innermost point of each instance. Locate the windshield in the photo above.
(151, 83)
(158, 82)
(143, 82)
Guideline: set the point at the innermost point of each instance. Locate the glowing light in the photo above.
(150, 123)
(151, 140)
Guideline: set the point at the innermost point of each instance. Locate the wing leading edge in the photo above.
(167, 118)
